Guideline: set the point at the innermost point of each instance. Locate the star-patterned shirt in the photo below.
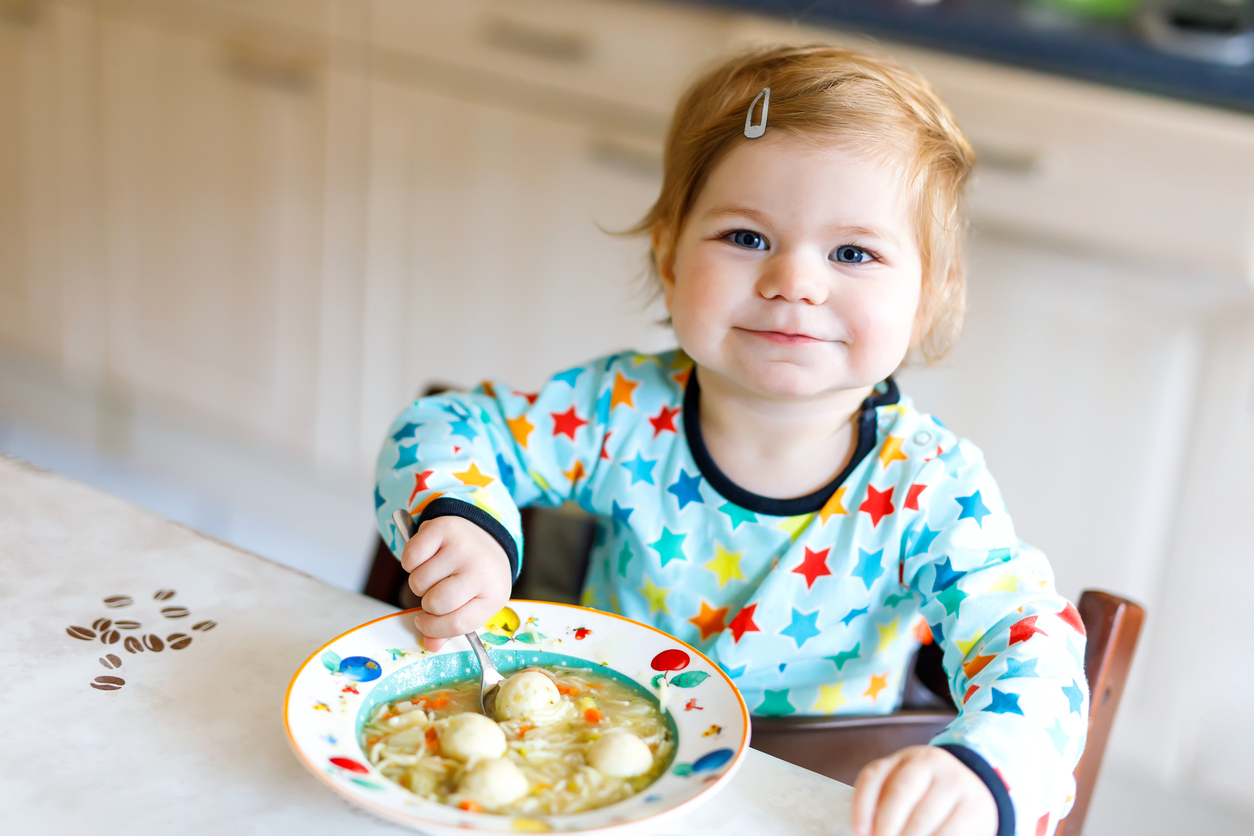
(812, 605)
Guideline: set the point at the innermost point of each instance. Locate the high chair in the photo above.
(839, 746)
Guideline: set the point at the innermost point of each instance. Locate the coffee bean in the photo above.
(110, 637)
(115, 601)
(178, 641)
(154, 643)
(132, 644)
(126, 625)
(205, 626)
(175, 612)
(101, 623)
(164, 594)
(81, 633)
(110, 661)
(108, 683)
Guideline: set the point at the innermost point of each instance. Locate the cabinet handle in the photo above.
(293, 70)
(571, 48)
(1014, 162)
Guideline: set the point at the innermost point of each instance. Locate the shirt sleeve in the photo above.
(1013, 647)
(483, 455)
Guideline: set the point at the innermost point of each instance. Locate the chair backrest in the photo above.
(1113, 625)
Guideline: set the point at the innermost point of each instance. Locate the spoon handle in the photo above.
(405, 525)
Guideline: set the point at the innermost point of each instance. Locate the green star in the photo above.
(847, 656)
(951, 597)
(895, 599)
(669, 546)
(1000, 555)
(774, 704)
(737, 515)
(624, 557)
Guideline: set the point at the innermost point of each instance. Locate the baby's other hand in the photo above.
(922, 791)
(462, 575)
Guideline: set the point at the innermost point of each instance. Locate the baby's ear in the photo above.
(664, 262)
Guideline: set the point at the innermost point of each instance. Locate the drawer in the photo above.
(1150, 181)
(633, 54)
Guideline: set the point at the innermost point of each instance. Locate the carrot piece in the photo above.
(438, 702)
(433, 741)
(523, 729)
(370, 741)
(592, 715)
(568, 690)
(471, 806)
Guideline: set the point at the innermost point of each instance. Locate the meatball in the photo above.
(469, 736)
(494, 782)
(620, 754)
(529, 695)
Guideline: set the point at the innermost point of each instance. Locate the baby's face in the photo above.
(797, 272)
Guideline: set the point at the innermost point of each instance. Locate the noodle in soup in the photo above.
(422, 744)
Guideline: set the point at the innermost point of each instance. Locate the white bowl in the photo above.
(380, 661)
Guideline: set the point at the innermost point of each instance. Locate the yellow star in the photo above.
(888, 634)
(725, 564)
(521, 428)
(709, 621)
(891, 451)
(965, 646)
(830, 699)
(835, 505)
(896, 409)
(484, 500)
(793, 526)
(540, 481)
(655, 595)
(576, 472)
(878, 683)
(1004, 582)
(622, 391)
(681, 360)
(641, 359)
(473, 477)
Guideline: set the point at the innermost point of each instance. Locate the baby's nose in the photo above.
(793, 277)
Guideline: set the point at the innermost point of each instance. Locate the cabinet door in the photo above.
(213, 169)
(484, 257)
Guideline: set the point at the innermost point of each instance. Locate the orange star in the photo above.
(473, 477)
(622, 391)
(521, 428)
(417, 509)
(575, 473)
(891, 451)
(835, 505)
(976, 665)
(682, 377)
(486, 386)
(878, 683)
(710, 621)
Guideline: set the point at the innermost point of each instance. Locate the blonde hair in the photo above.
(861, 102)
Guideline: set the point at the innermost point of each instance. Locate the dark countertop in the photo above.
(1024, 34)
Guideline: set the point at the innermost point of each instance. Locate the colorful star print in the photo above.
(686, 489)
(891, 451)
(1003, 703)
(743, 623)
(813, 567)
(878, 504)
(655, 595)
(406, 431)
(520, 428)
(972, 508)
(566, 423)
(623, 388)
(737, 515)
(710, 620)
(670, 546)
(946, 576)
(868, 568)
(472, 476)
(775, 704)
(664, 421)
(1024, 630)
(641, 469)
(878, 683)
(831, 697)
(852, 614)
(726, 565)
(912, 497)
(835, 505)
(803, 627)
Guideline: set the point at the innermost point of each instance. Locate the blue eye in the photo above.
(748, 240)
(849, 254)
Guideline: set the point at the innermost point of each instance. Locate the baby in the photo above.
(765, 492)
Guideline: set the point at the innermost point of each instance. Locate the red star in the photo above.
(1024, 630)
(566, 423)
(743, 623)
(1072, 619)
(420, 484)
(969, 692)
(605, 454)
(813, 567)
(912, 496)
(1042, 825)
(1003, 778)
(530, 396)
(664, 420)
(878, 504)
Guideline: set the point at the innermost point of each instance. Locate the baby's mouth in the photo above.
(783, 337)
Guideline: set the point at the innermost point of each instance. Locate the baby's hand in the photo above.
(462, 575)
(922, 791)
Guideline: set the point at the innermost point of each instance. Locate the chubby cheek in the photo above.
(882, 326)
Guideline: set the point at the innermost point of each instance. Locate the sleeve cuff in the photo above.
(977, 764)
(448, 507)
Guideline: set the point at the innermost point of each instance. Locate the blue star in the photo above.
(734, 673)
(462, 427)
(921, 545)
(802, 628)
(938, 633)
(737, 515)
(774, 703)
(406, 431)
(1075, 696)
(620, 514)
(1059, 736)
(641, 469)
(953, 460)
(973, 507)
(852, 614)
(782, 665)
(868, 568)
(624, 557)
(945, 576)
(603, 408)
(569, 376)
(1004, 703)
(407, 457)
(1015, 667)
(686, 489)
(378, 499)
(507, 472)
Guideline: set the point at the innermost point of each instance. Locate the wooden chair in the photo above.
(837, 747)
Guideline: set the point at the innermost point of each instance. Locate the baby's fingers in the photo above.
(931, 813)
(905, 787)
(866, 793)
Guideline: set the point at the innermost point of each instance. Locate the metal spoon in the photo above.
(490, 678)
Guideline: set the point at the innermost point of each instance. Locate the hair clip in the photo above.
(751, 130)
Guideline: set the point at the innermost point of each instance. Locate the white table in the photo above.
(192, 742)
